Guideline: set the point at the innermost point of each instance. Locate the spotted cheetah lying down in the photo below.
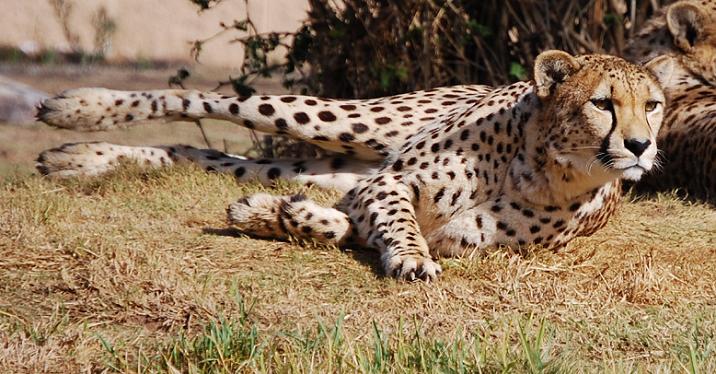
(434, 173)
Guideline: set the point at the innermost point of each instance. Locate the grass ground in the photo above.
(137, 272)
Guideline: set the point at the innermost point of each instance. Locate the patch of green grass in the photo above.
(238, 345)
(526, 346)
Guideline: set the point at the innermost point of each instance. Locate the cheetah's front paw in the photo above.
(258, 215)
(412, 267)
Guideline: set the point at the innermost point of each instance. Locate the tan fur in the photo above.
(683, 38)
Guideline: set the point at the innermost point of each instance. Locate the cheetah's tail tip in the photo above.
(82, 109)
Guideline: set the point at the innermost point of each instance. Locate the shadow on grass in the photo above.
(640, 192)
(227, 231)
(364, 255)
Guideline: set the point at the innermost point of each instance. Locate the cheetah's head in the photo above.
(693, 29)
(686, 30)
(602, 114)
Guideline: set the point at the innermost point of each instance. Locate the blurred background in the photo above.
(335, 48)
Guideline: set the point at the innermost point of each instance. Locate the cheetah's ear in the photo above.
(685, 22)
(552, 68)
(663, 68)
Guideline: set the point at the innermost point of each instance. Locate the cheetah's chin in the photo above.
(633, 173)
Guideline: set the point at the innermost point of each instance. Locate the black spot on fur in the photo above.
(267, 109)
(296, 198)
(382, 120)
(273, 173)
(439, 195)
(326, 116)
(359, 128)
(234, 108)
(302, 118)
(346, 137)
(281, 124)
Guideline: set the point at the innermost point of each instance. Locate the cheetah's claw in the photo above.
(413, 268)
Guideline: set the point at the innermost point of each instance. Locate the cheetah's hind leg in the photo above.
(280, 217)
(90, 159)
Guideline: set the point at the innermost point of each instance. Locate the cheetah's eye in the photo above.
(650, 106)
(602, 104)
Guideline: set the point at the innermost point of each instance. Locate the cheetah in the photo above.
(468, 167)
(684, 36)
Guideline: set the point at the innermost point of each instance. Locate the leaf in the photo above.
(241, 88)
(205, 4)
(518, 71)
(241, 25)
(178, 79)
(479, 29)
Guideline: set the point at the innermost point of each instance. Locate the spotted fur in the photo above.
(683, 38)
(364, 131)
(530, 163)
(96, 158)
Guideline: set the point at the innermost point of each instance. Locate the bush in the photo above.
(369, 48)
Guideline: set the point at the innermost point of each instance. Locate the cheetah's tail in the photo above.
(342, 126)
(96, 109)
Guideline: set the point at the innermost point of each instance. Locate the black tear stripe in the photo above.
(603, 156)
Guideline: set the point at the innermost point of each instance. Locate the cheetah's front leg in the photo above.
(388, 217)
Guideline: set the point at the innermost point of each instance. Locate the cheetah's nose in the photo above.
(637, 146)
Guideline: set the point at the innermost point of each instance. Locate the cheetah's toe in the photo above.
(412, 268)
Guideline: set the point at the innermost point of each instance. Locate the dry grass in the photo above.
(136, 271)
